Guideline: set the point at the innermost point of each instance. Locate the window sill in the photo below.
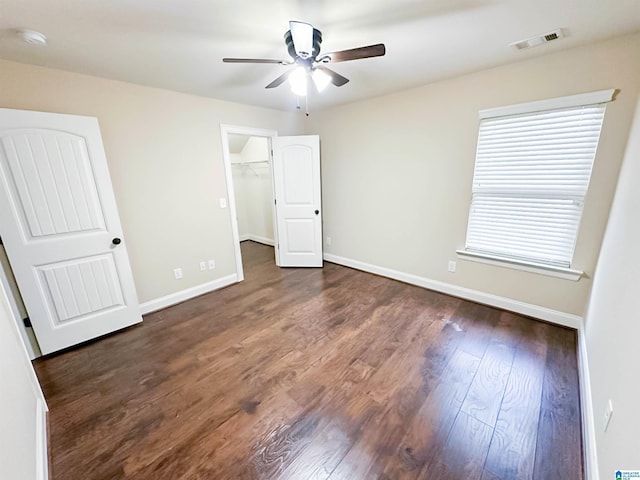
(560, 272)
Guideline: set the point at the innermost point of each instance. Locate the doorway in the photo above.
(248, 165)
(253, 187)
(294, 173)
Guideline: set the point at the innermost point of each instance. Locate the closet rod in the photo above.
(251, 163)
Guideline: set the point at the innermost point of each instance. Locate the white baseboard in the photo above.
(182, 295)
(543, 313)
(42, 453)
(257, 238)
(586, 408)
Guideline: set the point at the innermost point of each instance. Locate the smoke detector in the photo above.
(538, 39)
(32, 37)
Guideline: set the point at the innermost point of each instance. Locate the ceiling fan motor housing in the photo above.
(317, 40)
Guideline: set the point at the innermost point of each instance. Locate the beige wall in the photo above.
(165, 158)
(397, 170)
(612, 329)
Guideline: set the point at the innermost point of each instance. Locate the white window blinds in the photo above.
(531, 176)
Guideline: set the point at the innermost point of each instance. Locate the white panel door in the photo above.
(296, 173)
(61, 230)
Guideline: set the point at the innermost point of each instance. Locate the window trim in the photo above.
(590, 98)
(543, 269)
(601, 96)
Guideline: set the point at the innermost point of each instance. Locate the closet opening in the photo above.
(248, 160)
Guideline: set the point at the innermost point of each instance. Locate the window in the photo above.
(532, 171)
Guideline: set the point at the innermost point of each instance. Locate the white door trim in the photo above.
(225, 130)
(30, 343)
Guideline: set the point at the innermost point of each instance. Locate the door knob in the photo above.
(317, 212)
(116, 241)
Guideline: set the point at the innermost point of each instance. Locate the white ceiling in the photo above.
(179, 44)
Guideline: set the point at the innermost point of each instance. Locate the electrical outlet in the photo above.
(608, 413)
(223, 202)
(212, 264)
(203, 266)
(328, 242)
(177, 273)
(452, 266)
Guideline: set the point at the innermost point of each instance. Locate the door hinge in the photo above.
(275, 202)
(1, 241)
(27, 322)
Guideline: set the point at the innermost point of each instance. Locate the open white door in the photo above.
(60, 226)
(296, 173)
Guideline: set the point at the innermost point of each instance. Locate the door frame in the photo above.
(225, 130)
(28, 338)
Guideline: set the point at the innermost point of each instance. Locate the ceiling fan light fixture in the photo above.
(298, 81)
(320, 79)
(303, 46)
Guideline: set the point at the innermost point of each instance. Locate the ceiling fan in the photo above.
(303, 44)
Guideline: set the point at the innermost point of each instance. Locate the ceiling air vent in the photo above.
(538, 40)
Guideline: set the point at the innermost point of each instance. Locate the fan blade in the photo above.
(302, 35)
(369, 51)
(254, 60)
(280, 80)
(337, 79)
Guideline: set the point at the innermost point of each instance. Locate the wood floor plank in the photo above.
(513, 446)
(559, 447)
(400, 395)
(464, 453)
(317, 373)
(479, 322)
(427, 433)
(487, 389)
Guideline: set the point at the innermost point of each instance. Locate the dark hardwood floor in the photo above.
(318, 374)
